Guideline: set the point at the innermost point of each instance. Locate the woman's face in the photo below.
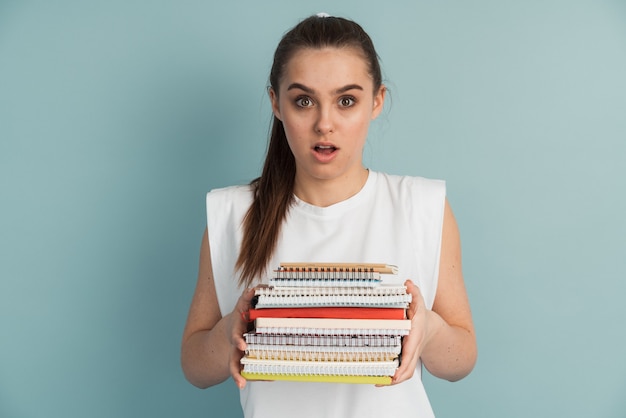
(326, 102)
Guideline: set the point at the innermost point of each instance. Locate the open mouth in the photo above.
(325, 149)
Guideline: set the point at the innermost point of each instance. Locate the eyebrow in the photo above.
(311, 91)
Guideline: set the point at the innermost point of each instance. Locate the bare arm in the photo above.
(444, 336)
(212, 344)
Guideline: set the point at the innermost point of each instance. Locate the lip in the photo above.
(324, 152)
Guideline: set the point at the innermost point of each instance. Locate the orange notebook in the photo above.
(329, 312)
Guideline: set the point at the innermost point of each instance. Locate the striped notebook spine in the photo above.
(381, 296)
(284, 367)
(324, 340)
(295, 353)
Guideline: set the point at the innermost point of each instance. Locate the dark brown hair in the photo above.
(273, 191)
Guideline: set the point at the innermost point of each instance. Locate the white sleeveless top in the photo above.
(392, 220)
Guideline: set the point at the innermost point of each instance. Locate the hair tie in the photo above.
(323, 15)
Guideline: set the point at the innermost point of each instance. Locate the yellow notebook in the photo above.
(373, 372)
(372, 380)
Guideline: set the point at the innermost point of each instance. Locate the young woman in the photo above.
(315, 201)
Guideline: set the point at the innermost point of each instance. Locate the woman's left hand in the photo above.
(413, 344)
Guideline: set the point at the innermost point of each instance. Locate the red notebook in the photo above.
(328, 312)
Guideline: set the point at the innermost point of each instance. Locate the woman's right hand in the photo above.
(238, 325)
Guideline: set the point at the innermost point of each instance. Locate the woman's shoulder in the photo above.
(398, 181)
(238, 189)
(230, 195)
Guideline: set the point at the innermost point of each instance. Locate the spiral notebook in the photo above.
(326, 274)
(281, 339)
(325, 322)
(322, 353)
(333, 326)
(289, 295)
(371, 372)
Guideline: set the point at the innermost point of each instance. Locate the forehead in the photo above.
(327, 67)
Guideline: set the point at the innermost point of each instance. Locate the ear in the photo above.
(379, 101)
(274, 101)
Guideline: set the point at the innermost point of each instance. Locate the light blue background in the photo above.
(116, 117)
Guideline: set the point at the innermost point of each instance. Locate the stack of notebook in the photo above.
(326, 323)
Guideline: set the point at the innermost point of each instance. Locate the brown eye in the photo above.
(304, 101)
(346, 101)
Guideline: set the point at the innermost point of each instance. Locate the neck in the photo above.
(327, 192)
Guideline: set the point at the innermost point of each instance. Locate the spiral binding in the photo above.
(380, 296)
(326, 340)
(328, 276)
(366, 368)
(324, 353)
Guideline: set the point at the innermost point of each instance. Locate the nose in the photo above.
(324, 123)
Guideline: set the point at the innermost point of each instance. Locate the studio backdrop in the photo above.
(117, 117)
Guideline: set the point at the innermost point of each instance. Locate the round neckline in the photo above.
(339, 207)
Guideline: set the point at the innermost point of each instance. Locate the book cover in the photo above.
(333, 323)
(303, 340)
(328, 312)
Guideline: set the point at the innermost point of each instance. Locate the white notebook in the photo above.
(321, 353)
(332, 326)
(383, 296)
(355, 368)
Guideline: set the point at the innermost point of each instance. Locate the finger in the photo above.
(402, 374)
(237, 350)
(412, 290)
(411, 342)
(244, 301)
(235, 368)
(238, 328)
(237, 340)
(405, 371)
(238, 343)
(247, 295)
(238, 347)
(409, 360)
(240, 319)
